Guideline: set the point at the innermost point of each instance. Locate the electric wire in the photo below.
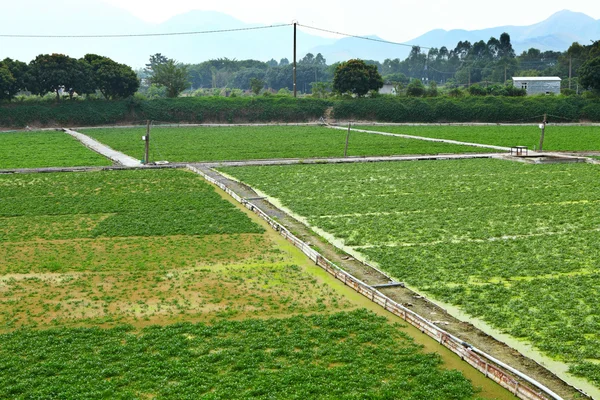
(126, 35)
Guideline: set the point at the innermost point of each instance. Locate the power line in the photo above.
(362, 37)
(139, 34)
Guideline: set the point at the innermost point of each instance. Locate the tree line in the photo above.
(64, 75)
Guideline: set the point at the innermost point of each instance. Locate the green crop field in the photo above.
(353, 355)
(514, 244)
(192, 144)
(149, 284)
(45, 149)
(557, 138)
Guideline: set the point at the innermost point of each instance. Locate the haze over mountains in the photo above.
(557, 33)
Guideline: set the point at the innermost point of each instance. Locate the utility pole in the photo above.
(347, 140)
(570, 69)
(469, 85)
(543, 127)
(147, 140)
(295, 90)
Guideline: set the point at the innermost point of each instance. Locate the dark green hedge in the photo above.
(190, 110)
(286, 109)
(468, 109)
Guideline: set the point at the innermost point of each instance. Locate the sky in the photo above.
(397, 20)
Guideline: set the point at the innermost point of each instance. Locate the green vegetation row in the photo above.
(114, 204)
(352, 355)
(190, 110)
(286, 109)
(45, 149)
(192, 144)
(493, 109)
(514, 244)
(557, 138)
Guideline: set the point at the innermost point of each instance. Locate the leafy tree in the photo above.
(7, 82)
(589, 74)
(19, 72)
(432, 91)
(284, 61)
(415, 88)
(112, 79)
(243, 78)
(171, 75)
(51, 73)
(356, 77)
(320, 89)
(155, 59)
(257, 85)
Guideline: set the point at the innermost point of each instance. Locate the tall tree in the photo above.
(356, 77)
(55, 72)
(112, 79)
(589, 74)
(7, 81)
(19, 72)
(172, 75)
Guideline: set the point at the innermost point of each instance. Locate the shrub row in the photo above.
(285, 109)
(469, 109)
(190, 110)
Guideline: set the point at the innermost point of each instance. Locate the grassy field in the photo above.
(45, 149)
(557, 138)
(245, 143)
(149, 284)
(514, 244)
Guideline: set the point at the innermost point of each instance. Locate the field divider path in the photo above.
(427, 139)
(520, 384)
(104, 150)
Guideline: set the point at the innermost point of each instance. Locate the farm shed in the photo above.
(388, 88)
(538, 84)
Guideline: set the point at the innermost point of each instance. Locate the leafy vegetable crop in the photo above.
(245, 143)
(512, 243)
(352, 355)
(556, 137)
(45, 149)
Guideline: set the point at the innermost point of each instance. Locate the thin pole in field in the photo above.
(347, 140)
(543, 127)
(295, 90)
(147, 150)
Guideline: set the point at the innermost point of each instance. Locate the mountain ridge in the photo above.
(556, 32)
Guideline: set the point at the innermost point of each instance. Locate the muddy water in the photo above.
(489, 389)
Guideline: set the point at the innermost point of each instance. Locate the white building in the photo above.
(538, 84)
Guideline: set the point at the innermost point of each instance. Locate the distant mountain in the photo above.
(91, 17)
(556, 33)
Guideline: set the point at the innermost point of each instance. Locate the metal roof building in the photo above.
(538, 84)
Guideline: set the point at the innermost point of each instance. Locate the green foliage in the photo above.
(514, 244)
(7, 82)
(133, 203)
(354, 76)
(589, 74)
(171, 75)
(51, 72)
(353, 355)
(112, 79)
(415, 88)
(256, 85)
(558, 138)
(45, 149)
(13, 78)
(477, 90)
(241, 143)
(469, 109)
(188, 109)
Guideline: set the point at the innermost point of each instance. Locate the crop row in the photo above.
(243, 143)
(507, 242)
(352, 355)
(115, 203)
(556, 137)
(45, 149)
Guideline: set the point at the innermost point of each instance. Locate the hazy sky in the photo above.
(390, 19)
